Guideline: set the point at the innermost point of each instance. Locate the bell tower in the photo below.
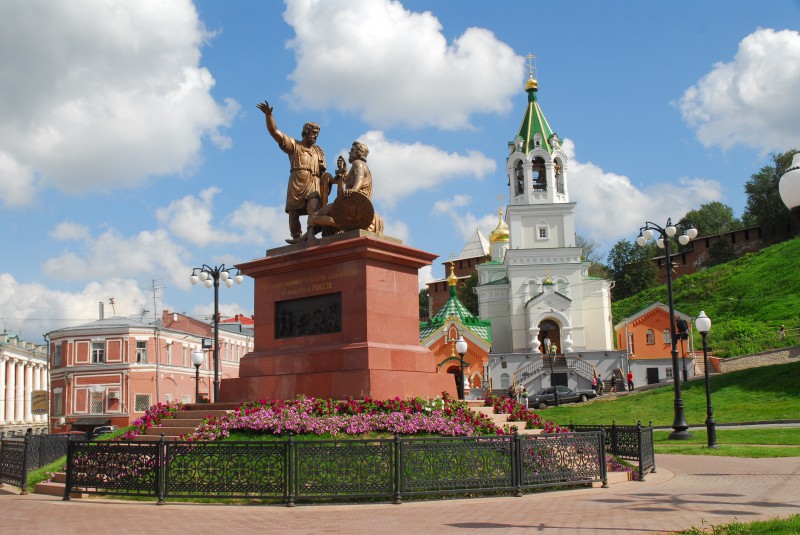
(540, 213)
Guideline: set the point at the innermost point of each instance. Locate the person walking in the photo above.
(594, 384)
(599, 385)
(613, 383)
(630, 381)
(782, 333)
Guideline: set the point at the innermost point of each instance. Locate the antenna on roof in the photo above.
(113, 308)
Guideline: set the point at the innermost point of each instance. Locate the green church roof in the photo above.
(454, 308)
(534, 122)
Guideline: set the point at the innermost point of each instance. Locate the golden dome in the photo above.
(452, 280)
(500, 233)
(531, 84)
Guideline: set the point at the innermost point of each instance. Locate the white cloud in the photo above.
(107, 106)
(393, 66)
(190, 218)
(611, 207)
(447, 206)
(425, 276)
(34, 309)
(113, 255)
(752, 100)
(68, 230)
(401, 169)
(17, 181)
(464, 221)
(261, 225)
(396, 229)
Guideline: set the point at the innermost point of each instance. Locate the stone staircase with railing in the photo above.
(527, 373)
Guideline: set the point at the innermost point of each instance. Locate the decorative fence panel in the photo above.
(127, 468)
(225, 469)
(18, 456)
(548, 460)
(630, 442)
(290, 470)
(456, 464)
(12, 462)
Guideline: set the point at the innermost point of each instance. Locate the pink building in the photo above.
(111, 370)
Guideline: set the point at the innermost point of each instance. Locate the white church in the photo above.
(536, 289)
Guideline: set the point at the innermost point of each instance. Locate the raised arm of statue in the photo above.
(272, 128)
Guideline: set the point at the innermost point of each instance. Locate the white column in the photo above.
(3, 364)
(11, 377)
(26, 392)
(19, 393)
(37, 385)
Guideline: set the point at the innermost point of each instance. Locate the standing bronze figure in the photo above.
(308, 182)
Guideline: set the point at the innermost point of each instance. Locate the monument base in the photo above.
(337, 318)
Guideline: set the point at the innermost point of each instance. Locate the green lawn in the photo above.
(758, 394)
(775, 526)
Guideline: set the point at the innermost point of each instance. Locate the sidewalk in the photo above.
(686, 491)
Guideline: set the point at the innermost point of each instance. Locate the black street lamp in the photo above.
(461, 349)
(211, 276)
(703, 324)
(646, 233)
(553, 380)
(197, 360)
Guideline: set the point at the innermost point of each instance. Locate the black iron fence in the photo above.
(18, 456)
(291, 470)
(630, 442)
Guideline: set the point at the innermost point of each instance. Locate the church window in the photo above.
(650, 336)
(667, 337)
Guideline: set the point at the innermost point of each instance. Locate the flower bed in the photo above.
(152, 418)
(517, 412)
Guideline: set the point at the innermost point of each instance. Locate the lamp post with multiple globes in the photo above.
(461, 349)
(211, 276)
(646, 233)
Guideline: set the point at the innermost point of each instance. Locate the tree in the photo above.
(712, 218)
(764, 205)
(467, 295)
(424, 303)
(632, 268)
(592, 253)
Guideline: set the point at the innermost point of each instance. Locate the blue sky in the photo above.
(131, 148)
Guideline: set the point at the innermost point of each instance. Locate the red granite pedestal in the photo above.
(376, 351)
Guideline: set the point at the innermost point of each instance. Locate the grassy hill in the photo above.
(747, 300)
(768, 393)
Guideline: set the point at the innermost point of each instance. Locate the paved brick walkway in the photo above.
(686, 491)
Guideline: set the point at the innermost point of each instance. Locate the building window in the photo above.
(185, 356)
(141, 351)
(169, 353)
(141, 402)
(57, 355)
(667, 337)
(96, 402)
(669, 373)
(504, 365)
(541, 232)
(98, 352)
(58, 403)
(168, 398)
(650, 337)
(185, 399)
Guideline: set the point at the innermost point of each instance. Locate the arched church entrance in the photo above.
(457, 377)
(549, 329)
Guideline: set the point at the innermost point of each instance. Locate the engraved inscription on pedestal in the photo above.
(319, 314)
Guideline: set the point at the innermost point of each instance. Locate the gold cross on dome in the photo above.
(531, 63)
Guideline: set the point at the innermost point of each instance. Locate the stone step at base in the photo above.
(201, 414)
(55, 489)
(169, 431)
(614, 478)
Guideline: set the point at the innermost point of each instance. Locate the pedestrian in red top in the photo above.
(630, 381)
